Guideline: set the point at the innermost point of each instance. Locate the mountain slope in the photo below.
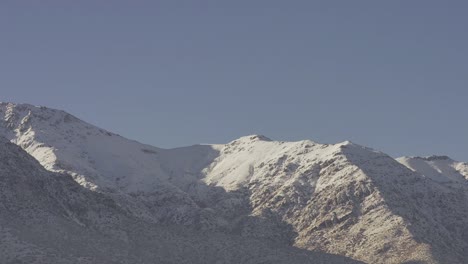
(347, 199)
(48, 218)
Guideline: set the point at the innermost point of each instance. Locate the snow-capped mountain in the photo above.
(46, 217)
(342, 199)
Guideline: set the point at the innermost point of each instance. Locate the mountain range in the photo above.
(71, 192)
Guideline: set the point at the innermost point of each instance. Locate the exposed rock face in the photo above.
(343, 199)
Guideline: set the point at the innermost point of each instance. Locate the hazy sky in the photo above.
(391, 75)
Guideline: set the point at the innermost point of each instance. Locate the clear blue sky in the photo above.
(391, 75)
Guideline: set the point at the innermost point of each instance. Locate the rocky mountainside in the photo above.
(47, 217)
(342, 199)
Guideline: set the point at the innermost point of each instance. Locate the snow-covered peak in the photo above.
(19, 116)
(251, 138)
(434, 158)
(245, 162)
(95, 157)
(438, 168)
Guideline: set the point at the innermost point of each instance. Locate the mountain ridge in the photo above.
(342, 198)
